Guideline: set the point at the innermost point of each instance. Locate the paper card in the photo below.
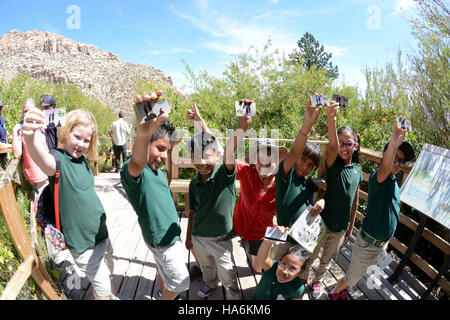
(383, 260)
(55, 117)
(343, 101)
(245, 109)
(320, 101)
(404, 124)
(149, 110)
(273, 234)
(308, 230)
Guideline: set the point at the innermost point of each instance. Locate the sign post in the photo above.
(427, 190)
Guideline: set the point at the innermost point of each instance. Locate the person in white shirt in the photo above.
(119, 131)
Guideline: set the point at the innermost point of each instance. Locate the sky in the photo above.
(207, 34)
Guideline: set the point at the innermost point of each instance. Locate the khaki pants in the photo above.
(213, 253)
(330, 243)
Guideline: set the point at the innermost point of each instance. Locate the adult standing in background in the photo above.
(119, 131)
(4, 137)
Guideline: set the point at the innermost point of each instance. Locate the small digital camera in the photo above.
(343, 101)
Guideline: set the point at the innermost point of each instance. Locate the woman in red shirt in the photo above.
(256, 207)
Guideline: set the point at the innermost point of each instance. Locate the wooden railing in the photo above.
(32, 264)
(182, 186)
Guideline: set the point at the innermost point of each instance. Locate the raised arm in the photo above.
(144, 133)
(311, 115)
(17, 142)
(194, 115)
(34, 137)
(333, 142)
(398, 135)
(234, 141)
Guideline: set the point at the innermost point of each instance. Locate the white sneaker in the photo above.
(204, 291)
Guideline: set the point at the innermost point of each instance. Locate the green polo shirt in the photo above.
(383, 208)
(342, 182)
(151, 199)
(292, 196)
(270, 289)
(82, 216)
(213, 201)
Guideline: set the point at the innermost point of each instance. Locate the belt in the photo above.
(367, 237)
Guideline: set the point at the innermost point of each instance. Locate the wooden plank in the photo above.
(134, 271)
(18, 280)
(245, 275)
(144, 290)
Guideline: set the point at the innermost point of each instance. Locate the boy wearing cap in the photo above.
(212, 196)
(382, 212)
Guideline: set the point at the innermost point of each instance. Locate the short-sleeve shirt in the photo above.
(3, 135)
(213, 201)
(120, 130)
(292, 197)
(383, 208)
(151, 199)
(270, 289)
(342, 182)
(253, 212)
(82, 216)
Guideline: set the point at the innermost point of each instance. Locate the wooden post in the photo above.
(19, 235)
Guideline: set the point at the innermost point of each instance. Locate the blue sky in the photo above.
(206, 33)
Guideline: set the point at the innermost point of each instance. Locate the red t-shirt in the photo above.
(253, 213)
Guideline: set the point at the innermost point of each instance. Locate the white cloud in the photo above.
(336, 51)
(203, 3)
(404, 5)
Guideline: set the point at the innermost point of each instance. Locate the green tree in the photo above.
(312, 53)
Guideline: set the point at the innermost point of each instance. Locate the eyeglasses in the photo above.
(283, 266)
(347, 144)
(401, 162)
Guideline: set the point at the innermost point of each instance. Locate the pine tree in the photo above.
(312, 53)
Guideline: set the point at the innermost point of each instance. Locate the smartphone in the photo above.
(273, 234)
(320, 101)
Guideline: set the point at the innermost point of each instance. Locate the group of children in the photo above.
(269, 189)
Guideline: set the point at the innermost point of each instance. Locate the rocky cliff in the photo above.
(97, 73)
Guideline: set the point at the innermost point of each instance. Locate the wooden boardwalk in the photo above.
(135, 275)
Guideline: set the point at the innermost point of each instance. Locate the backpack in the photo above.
(47, 211)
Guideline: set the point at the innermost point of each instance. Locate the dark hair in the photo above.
(120, 114)
(43, 98)
(312, 151)
(356, 157)
(203, 141)
(301, 253)
(166, 129)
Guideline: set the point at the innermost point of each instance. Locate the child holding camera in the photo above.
(84, 224)
(344, 175)
(293, 191)
(212, 196)
(382, 212)
(149, 194)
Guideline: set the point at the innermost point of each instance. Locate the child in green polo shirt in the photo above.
(344, 175)
(149, 194)
(382, 212)
(82, 216)
(212, 196)
(293, 190)
(280, 279)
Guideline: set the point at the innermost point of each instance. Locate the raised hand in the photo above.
(398, 134)
(34, 120)
(244, 122)
(311, 113)
(194, 114)
(332, 110)
(149, 127)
